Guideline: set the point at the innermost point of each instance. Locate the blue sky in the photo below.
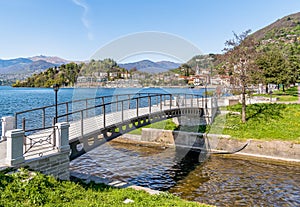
(76, 29)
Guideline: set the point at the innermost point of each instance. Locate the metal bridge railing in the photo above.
(40, 142)
(42, 117)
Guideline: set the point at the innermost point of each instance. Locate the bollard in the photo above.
(8, 123)
(62, 136)
(14, 147)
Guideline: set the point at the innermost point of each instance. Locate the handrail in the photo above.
(130, 97)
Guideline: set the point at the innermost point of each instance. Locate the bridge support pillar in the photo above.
(14, 150)
(8, 123)
(62, 136)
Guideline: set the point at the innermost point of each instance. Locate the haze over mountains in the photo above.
(29, 65)
(150, 66)
(37, 64)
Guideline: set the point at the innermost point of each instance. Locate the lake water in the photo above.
(219, 181)
(14, 100)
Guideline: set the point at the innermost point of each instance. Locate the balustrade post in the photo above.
(14, 147)
(8, 123)
(62, 136)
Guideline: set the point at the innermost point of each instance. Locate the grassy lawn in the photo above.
(264, 122)
(290, 94)
(170, 125)
(35, 189)
(165, 124)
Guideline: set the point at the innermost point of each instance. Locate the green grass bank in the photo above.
(26, 188)
(264, 122)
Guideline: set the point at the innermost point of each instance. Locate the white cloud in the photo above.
(84, 18)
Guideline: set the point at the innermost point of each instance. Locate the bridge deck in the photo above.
(93, 124)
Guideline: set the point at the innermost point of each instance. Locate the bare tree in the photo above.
(239, 63)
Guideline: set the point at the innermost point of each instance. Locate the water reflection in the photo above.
(220, 181)
(235, 182)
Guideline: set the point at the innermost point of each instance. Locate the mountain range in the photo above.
(40, 63)
(29, 65)
(150, 66)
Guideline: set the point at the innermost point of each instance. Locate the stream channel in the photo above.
(219, 180)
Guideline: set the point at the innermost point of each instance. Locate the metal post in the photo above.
(56, 88)
(128, 101)
(54, 132)
(149, 102)
(81, 122)
(44, 118)
(23, 124)
(137, 107)
(16, 120)
(117, 103)
(170, 101)
(67, 111)
(160, 102)
(104, 116)
(102, 105)
(122, 103)
(86, 106)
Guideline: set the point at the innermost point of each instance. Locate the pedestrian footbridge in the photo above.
(88, 123)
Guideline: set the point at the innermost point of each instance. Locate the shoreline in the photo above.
(275, 151)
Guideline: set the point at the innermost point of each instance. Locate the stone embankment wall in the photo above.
(279, 150)
(54, 164)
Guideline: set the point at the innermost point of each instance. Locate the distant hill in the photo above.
(29, 65)
(7, 63)
(50, 59)
(150, 66)
(288, 24)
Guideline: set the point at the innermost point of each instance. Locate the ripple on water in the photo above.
(220, 181)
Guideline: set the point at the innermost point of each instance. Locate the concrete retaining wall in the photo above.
(269, 149)
(280, 150)
(172, 137)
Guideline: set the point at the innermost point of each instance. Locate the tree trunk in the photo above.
(243, 104)
(267, 89)
(283, 90)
